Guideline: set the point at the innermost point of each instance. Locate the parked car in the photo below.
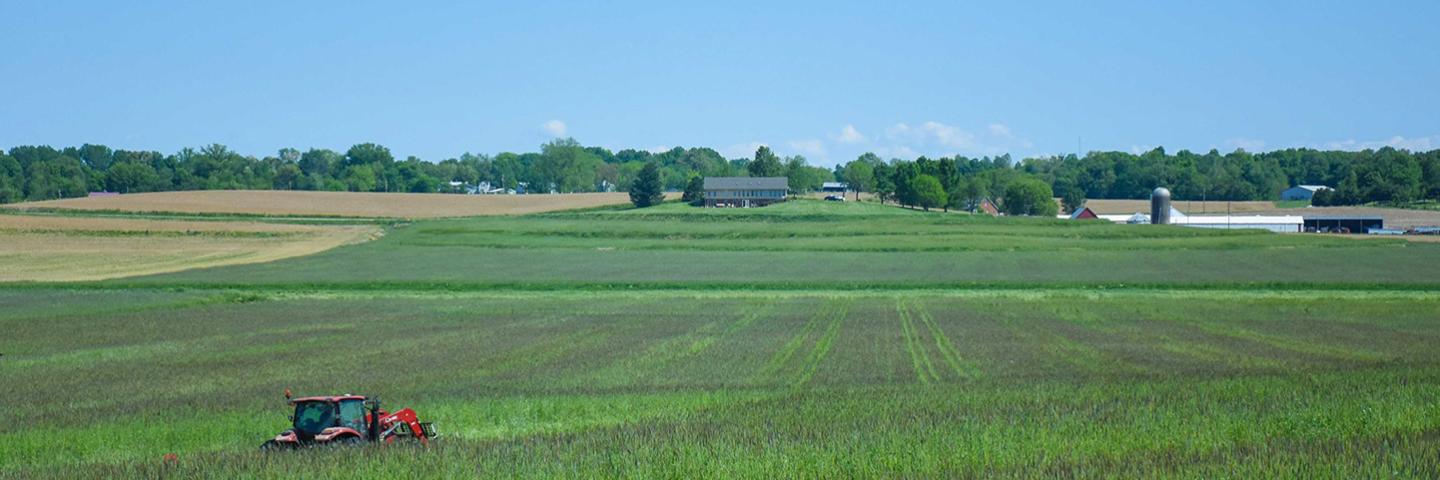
(835, 198)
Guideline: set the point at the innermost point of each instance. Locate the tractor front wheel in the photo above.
(273, 446)
(347, 442)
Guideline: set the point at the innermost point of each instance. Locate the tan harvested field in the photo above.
(342, 204)
(48, 249)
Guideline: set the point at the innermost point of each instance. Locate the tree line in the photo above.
(560, 166)
(1386, 175)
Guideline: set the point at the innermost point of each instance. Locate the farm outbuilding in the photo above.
(1301, 192)
(1278, 224)
(834, 187)
(1084, 213)
(745, 191)
(1343, 224)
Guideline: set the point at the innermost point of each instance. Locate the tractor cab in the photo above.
(314, 415)
(348, 420)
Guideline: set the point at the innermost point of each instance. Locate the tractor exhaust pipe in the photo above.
(374, 432)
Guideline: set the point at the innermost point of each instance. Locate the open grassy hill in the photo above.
(808, 339)
(813, 244)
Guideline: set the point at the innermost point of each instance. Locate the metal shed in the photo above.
(1343, 224)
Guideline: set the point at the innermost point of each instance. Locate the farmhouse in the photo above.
(745, 191)
(1302, 192)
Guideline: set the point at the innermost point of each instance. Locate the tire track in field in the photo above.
(962, 368)
(823, 345)
(781, 358)
(919, 359)
(1307, 348)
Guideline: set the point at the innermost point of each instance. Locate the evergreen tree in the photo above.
(647, 190)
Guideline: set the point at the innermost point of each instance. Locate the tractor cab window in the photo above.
(352, 414)
(313, 417)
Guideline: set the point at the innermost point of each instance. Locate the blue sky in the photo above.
(822, 79)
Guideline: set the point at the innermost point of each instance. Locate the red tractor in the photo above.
(347, 420)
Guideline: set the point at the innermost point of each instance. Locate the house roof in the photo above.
(1313, 188)
(746, 183)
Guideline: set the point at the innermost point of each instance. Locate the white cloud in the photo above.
(742, 150)
(935, 138)
(554, 128)
(1247, 144)
(899, 151)
(809, 147)
(999, 130)
(849, 135)
(1420, 144)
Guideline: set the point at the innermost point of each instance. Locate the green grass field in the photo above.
(802, 340)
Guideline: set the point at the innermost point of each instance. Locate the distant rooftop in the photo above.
(747, 183)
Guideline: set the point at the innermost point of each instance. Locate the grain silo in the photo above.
(1160, 206)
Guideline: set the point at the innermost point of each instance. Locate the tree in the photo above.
(801, 177)
(1390, 176)
(1072, 197)
(360, 178)
(766, 164)
(377, 158)
(884, 181)
(928, 192)
(287, 176)
(1323, 198)
(694, 190)
(860, 175)
(131, 177)
(12, 179)
(1029, 196)
(647, 190)
(565, 166)
(975, 192)
(320, 162)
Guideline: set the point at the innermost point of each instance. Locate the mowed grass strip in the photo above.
(528, 385)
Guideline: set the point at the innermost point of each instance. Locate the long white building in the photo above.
(1278, 224)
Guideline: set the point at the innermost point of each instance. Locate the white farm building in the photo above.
(1278, 224)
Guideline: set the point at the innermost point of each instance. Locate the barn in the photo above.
(1302, 192)
(745, 191)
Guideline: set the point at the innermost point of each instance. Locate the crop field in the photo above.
(809, 339)
(331, 204)
(736, 384)
(62, 248)
(814, 244)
